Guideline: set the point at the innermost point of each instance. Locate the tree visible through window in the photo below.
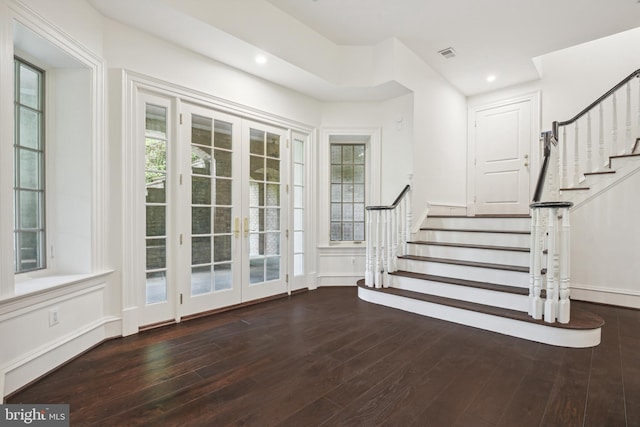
(347, 192)
(29, 162)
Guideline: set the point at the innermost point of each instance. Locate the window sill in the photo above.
(46, 287)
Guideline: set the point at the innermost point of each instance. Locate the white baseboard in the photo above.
(620, 297)
(22, 371)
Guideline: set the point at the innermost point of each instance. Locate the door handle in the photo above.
(526, 160)
(236, 227)
(246, 226)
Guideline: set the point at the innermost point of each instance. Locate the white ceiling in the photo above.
(322, 47)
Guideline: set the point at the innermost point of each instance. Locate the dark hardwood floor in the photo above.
(327, 358)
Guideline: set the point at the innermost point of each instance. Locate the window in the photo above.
(29, 163)
(156, 202)
(298, 206)
(347, 191)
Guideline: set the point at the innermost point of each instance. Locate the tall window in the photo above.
(298, 206)
(29, 163)
(347, 192)
(156, 202)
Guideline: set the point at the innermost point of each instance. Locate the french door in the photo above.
(232, 210)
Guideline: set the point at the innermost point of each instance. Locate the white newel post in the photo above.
(535, 275)
(564, 307)
(378, 245)
(550, 303)
(388, 248)
(368, 272)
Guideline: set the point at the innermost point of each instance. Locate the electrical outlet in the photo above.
(54, 318)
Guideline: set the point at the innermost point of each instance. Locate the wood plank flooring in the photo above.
(326, 358)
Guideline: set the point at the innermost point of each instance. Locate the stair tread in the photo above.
(482, 216)
(599, 173)
(580, 319)
(463, 282)
(473, 230)
(621, 156)
(467, 245)
(467, 263)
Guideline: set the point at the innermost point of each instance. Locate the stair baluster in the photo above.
(628, 141)
(576, 154)
(378, 247)
(614, 125)
(589, 145)
(604, 163)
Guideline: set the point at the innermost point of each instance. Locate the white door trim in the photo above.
(534, 150)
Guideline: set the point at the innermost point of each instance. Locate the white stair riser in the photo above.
(480, 223)
(478, 274)
(495, 239)
(471, 254)
(463, 293)
(529, 331)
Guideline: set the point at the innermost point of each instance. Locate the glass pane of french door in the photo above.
(265, 218)
(155, 149)
(212, 194)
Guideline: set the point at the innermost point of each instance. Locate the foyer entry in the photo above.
(502, 138)
(216, 209)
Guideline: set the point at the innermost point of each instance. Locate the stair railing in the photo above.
(388, 230)
(572, 150)
(609, 126)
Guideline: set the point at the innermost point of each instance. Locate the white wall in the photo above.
(395, 118)
(605, 238)
(169, 63)
(573, 78)
(439, 132)
(31, 344)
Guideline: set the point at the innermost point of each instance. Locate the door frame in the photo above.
(132, 84)
(535, 149)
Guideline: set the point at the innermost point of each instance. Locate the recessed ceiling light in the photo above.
(261, 59)
(491, 78)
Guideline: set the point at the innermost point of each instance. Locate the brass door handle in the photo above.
(246, 226)
(236, 227)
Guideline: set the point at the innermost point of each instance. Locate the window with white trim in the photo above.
(29, 164)
(348, 187)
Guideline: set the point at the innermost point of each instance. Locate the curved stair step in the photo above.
(582, 331)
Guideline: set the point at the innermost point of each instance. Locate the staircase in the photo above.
(475, 271)
(594, 183)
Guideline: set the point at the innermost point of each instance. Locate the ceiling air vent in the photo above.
(448, 53)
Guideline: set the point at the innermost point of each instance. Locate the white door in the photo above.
(264, 211)
(233, 208)
(210, 207)
(503, 140)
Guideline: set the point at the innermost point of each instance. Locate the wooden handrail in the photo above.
(607, 94)
(404, 191)
(552, 136)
